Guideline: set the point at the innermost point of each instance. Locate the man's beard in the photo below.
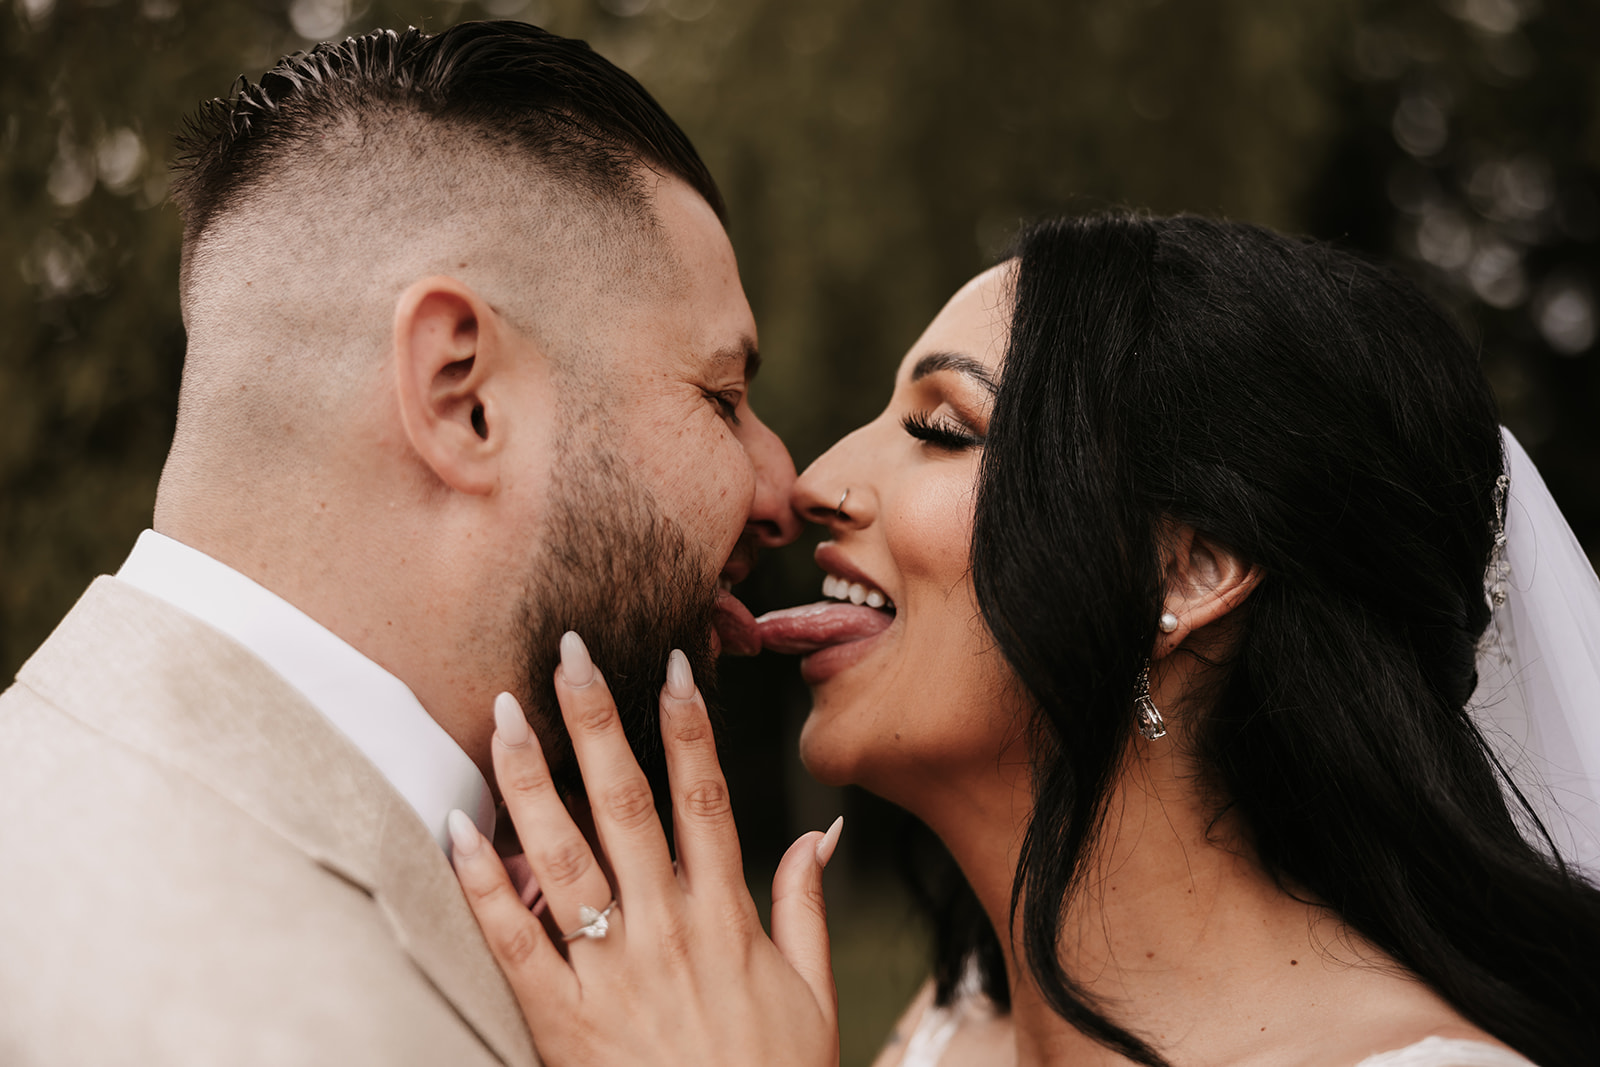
(622, 576)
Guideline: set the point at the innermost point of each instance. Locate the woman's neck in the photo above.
(1178, 935)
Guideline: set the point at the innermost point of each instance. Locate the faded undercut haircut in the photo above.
(518, 162)
(582, 121)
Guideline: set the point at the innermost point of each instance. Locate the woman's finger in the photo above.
(620, 799)
(538, 975)
(560, 857)
(800, 917)
(702, 817)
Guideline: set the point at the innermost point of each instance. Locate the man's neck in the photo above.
(377, 593)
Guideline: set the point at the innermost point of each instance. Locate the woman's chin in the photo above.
(827, 757)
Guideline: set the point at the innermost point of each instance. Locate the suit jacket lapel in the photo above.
(161, 681)
(419, 893)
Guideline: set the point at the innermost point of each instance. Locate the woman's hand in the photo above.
(683, 973)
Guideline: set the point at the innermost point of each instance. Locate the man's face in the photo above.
(663, 487)
(678, 398)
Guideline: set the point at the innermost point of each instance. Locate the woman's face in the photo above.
(909, 694)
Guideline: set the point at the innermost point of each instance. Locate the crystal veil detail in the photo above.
(1538, 695)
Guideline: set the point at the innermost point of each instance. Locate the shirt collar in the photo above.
(370, 706)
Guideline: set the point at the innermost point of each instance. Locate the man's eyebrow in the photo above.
(934, 362)
(744, 352)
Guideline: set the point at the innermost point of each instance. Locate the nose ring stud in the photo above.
(838, 509)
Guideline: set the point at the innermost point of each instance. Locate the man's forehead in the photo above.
(701, 313)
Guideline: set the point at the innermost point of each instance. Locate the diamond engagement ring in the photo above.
(595, 924)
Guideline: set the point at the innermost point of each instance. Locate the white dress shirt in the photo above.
(370, 706)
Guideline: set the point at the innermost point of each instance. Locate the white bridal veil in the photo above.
(1538, 695)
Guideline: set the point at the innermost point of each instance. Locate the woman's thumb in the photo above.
(800, 917)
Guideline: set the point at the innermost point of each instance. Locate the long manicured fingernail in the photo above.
(464, 837)
(680, 679)
(829, 842)
(577, 669)
(510, 725)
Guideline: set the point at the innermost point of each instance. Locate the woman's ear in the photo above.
(1204, 581)
(449, 357)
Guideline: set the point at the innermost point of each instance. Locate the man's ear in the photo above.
(1204, 581)
(449, 358)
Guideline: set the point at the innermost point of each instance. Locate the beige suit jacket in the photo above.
(196, 867)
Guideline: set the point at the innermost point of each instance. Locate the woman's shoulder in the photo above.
(1447, 1052)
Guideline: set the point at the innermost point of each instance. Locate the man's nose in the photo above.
(772, 521)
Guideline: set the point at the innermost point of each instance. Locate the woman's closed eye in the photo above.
(942, 431)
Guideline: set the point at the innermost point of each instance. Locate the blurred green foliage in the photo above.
(875, 154)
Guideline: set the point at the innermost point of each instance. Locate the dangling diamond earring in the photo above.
(1151, 725)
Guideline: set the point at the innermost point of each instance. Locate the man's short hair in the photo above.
(516, 161)
(586, 123)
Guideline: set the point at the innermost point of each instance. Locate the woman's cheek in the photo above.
(931, 531)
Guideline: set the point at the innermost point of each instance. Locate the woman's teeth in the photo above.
(836, 588)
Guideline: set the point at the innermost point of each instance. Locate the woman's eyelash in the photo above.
(941, 433)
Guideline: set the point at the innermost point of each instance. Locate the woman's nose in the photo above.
(835, 490)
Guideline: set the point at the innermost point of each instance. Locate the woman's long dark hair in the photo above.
(1321, 418)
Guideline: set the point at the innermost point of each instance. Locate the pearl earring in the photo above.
(1169, 622)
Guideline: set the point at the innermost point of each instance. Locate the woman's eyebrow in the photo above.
(934, 362)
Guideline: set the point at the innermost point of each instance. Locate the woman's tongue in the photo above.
(797, 631)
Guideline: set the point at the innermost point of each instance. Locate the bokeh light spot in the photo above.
(38, 10)
(1445, 239)
(318, 20)
(72, 174)
(1565, 314)
(119, 157)
(1496, 275)
(1420, 125)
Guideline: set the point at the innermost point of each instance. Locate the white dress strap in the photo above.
(932, 1036)
(1446, 1052)
(939, 1025)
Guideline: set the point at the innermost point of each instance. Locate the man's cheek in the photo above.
(736, 491)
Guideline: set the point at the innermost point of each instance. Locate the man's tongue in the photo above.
(736, 627)
(797, 631)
